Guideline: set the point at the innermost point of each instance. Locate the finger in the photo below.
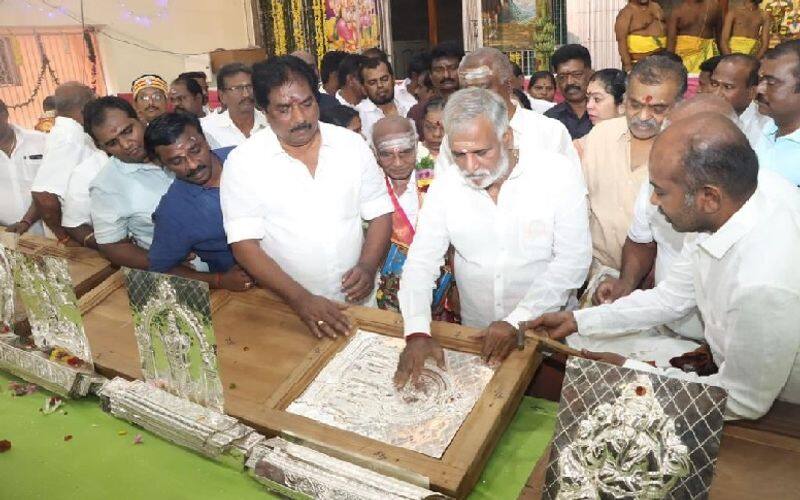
(402, 373)
(335, 319)
(601, 294)
(438, 356)
(500, 353)
(360, 291)
(488, 346)
(350, 278)
(312, 326)
(536, 323)
(416, 371)
(328, 330)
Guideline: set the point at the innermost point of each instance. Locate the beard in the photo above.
(380, 101)
(483, 178)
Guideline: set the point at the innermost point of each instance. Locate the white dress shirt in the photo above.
(370, 114)
(66, 146)
(540, 105)
(344, 102)
(310, 226)
(221, 132)
(514, 260)
(17, 173)
(409, 200)
(77, 208)
(746, 284)
(402, 94)
(753, 123)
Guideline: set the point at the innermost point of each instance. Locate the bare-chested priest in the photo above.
(693, 28)
(746, 30)
(640, 31)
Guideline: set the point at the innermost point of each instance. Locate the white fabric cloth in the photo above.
(310, 226)
(753, 123)
(344, 102)
(540, 105)
(370, 114)
(514, 260)
(409, 200)
(221, 132)
(17, 173)
(66, 146)
(77, 207)
(744, 280)
(402, 94)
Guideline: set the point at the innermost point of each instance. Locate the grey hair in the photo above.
(71, 96)
(655, 69)
(464, 106)
(499, 62)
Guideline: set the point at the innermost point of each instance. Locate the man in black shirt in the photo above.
(573, 66)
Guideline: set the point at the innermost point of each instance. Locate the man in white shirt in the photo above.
(735, 79)
(519, 225)
(21, 153)
(738, 269)
(350, 92)
(66, 146)
(489, 68)
(293, 197)
(76, 215)
(240, 119)
(377, 78)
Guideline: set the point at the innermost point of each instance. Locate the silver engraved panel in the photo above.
(355, 392)
(6, 292)
(623, 433)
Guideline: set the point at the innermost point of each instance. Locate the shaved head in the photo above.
(392, 126)
(702, 103)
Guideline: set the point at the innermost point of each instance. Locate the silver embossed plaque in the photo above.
(624, 433)
(175, 336)
(355, 392)
(6, 292)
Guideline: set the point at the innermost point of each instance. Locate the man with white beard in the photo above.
(518, 221)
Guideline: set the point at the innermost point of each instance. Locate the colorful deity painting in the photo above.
(351, 25)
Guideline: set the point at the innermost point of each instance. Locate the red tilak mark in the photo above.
(640, 391)
(647, 99)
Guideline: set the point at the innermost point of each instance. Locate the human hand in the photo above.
(609, 290)
(611, 358)
(20, 227)
(322, 316)
(412, 359)
(357, 283)
(499, 338)
(555, 325)
(235, 279)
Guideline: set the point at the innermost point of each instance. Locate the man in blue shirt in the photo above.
(188, 220)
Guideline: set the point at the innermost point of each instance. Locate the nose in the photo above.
(246, 91)
(471, 163)
(645, 113)
(653, 198)
(761, 87)
(717, 90)
(451, 73)
(297, 115)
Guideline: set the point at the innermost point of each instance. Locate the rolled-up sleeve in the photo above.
(240, 201)
(375, 199)
(425, 258)
(572, 252)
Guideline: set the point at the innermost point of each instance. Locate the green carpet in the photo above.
(100, 463)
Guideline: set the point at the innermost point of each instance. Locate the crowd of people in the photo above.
(651, 229)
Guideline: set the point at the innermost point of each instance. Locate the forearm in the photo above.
(376, 242)
(265, 271)
(637, 260)
(83, 234)
(213, 279)
(125, 254)
(32, 214)
(49, 208)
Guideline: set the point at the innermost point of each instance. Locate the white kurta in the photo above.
(310, 226)
(744, 280)
(221, 132)
(17, 173)
(66, 146)
(514, 260)
(371, 113)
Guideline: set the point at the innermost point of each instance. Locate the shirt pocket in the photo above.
(29, 168)
(535, 238)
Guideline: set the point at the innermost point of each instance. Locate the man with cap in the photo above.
(149, 97)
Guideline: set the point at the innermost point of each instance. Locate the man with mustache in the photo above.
(293, 199)
(377, 78)
(615, 155)
(445, 59)
(149, 97)
(188, 219)
(779, 98)
(573, 66)
(66, 146)
(240, 119)
(127, 190)
(517, 220)
(186, 95)
(738, 268)
(202, 80)
(735, 79)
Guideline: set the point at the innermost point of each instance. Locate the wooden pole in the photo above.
(433, 22)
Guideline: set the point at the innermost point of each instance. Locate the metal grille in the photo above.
(142, 286)
(697, 410)
(525, 58)
(559, 15)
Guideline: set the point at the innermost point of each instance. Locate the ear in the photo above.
(752, 92)
(710, 199)
(508, 138)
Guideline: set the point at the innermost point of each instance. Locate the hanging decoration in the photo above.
(319, 27)
(91, 55)
(298, 30)
(46, 68)
(278, 29)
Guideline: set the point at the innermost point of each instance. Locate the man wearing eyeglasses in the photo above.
(149, 97)
(240, 119)
(573, 66)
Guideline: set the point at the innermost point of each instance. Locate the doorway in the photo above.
(418, 25)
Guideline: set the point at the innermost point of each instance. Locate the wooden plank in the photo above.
(783, 418)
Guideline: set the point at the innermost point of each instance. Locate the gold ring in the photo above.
(320, 323)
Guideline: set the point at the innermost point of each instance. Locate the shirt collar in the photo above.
(771, 132)
(736, 227)
(259, 120)
(129, 168)
(274, 146)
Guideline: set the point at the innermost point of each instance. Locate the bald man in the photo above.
(394, 141)
(67, 145)
(737, 268)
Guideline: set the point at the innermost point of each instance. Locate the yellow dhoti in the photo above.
(695, 50)
(743, 45)
(640, 46)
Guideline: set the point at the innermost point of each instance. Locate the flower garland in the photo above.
(319, 29)
(278, 27)
(297, 25)
(424, 171)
